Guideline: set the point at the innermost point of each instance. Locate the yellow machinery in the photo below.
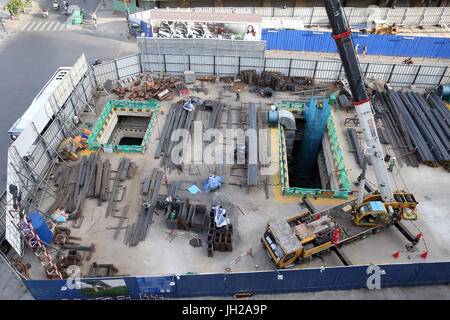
(297, 238)
(373, 212)
(68, 148)
(384, 28)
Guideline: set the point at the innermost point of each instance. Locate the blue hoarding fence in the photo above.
(261, 282)
(388, 45)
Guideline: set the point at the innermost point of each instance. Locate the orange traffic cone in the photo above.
(395, 255)
(424, 255)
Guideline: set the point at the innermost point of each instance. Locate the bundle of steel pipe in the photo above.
(440, 111)
(416, 109)
(392, 124)
(421, 128)
(422, 149)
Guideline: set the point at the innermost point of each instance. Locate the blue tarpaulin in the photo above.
(376, 44)
(212, 183)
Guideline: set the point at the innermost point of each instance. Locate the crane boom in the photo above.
(342, 36)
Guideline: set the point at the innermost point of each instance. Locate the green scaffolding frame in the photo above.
(119, 105)
(344, 182)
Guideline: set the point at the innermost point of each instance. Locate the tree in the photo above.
(14, 7)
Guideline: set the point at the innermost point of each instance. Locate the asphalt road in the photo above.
(31, 58)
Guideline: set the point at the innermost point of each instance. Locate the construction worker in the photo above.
(364, 50)
(392, 164)
(238, 94)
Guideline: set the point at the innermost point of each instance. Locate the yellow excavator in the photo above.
(68, 148)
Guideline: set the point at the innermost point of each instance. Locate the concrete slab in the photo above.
(11, 287)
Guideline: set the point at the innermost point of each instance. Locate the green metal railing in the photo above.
(345, 188)
(118, 105)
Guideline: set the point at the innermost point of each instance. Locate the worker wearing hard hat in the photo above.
(392, 164)
(238, 94)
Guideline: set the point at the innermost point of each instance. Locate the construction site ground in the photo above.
(166, 253)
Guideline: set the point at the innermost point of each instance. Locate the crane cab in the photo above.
(373, 213)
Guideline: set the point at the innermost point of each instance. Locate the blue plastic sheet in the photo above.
(212, 183)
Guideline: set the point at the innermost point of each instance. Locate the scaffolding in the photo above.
(31, 172)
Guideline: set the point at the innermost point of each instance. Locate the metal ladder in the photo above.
(35, 243)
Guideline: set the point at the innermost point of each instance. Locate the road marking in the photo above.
(27, 26)
(35, 27)
(49, 26)
(44, 25)
(52, 25)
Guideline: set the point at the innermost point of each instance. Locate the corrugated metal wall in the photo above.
(302, 40)
(262, 282)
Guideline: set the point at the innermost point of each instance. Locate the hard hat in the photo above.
(239, 90)
(393, 158)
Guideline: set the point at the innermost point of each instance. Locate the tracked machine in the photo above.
(309, 233)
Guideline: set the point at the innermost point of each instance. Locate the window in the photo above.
(289, 256)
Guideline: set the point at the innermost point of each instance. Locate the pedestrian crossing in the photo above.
(49, 26)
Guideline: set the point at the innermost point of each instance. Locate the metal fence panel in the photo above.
(264, 12)
(319, 16)
(303, 68)
(379, 71)
(281, 12)
(429, 76)
(252, 64)
(105, 71)
(403, 74)
(327, 71)
(278, 65)
(433, 16)
(128, 66)
(2, 216)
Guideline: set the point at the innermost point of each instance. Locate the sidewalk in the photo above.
(367, 58)
(108, 22)
(12, 25)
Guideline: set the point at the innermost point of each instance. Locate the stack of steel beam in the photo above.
(355, 143)
(138, 230)
(252, 169)
(177, 118)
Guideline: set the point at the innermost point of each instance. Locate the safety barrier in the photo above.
(338, 157)
(102, 122)
(260, 282)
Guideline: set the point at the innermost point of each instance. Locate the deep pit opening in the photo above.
(293, 165)
(130, 141)
(130, 130)
(138, 122)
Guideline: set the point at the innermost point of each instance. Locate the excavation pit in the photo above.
(124, 126)
(328, 175)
